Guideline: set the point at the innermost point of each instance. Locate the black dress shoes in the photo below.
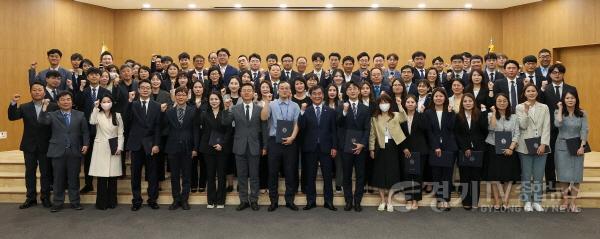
(309, 206)
(201, 190)
(87, 189)
(358, 208)
(46, 202)
(136, 207)
(185, 205)
(272, 207)
(254, 206)
(291, 206)
(56, 208)
(28, 203)
(174, 206)
(330, 206)
(242, 206)
(77, 206)
(193, 190)
(348, 207)
(153, 205)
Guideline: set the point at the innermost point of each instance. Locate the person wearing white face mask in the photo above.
(108, 145)
(384, 140)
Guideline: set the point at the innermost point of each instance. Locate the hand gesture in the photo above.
(155, 150)
(33, 65)
(399, 102)
(358, 149)
(84, 150)
(346, 106)
(82, 85)
(493, 109)
(16, 98)
(559, 107)
(303, 107)
(218, 147)
(544, 85)
(70, 83)
(96, 103)
(372, 154)
(333, 153)
(131, 96)
(163, 107)
(527, 105)
(268, 98)
(490, 85)
(407, 153)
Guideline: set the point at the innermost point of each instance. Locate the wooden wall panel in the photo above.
(28, 29)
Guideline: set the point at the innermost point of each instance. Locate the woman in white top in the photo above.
(105, 164)
(534, 122)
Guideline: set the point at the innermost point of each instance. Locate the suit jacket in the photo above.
(483, 98)
(121, 95)
(359, 122)
(538, 79)
(76, 134)
(417, 74)
(144, 128)
(64, 73)
(441, 137)
(229, 72)
(466, 79)
(318, 136)
(83, 100)
(472, 137)
(357, 74)
(182, 137)
(550, 98)
(35, 135)
(538, 71)
(412, 89)
(501, 86)
(497, 76)
(378, 124)
(210, 124)
(48, 95)
(248, 134)
(416, 140)
(382, 88)
(530, 123)
(191, 73)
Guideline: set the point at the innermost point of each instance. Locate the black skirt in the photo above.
(386, 166)
(500, 167)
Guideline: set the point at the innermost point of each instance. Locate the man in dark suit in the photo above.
(551, 95)
(54, 56)
(198, 73)
(438, 64)
(406, 74)
(52, 83)
(143, 117)
(318, 124)
(323, 76)
(227, 71)
(123, 88)
(85, 100)
(288, 74)
(378, 86)
(545, 58)
(512, 86)
(363, 67)
(69, 140)
(181, 146)
(249, 135)
(491, 72)
(419, 71)
(458, 71)
(348, 67)
(354, 120)
(34, 144)
(530, 75)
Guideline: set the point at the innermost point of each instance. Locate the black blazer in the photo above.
(83, 100)
(501, 86)
(417, 140)
(497, 76)
(412, 89)
(538, 71)
(144, 130)
(293, 75)
(209, 123)
(356, 74)
(417, 74)
(181, 137)
(193, 71)
(472, 137)
(360, 122)
(48, 95)
(325, 131)
(441, 138)
(35, 135)
(483, 98)
(121, 96)
(539, 78)
(550, 99)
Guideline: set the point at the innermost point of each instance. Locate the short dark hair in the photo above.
(317, 87)
(560, 67)
(348, 58)
(335, 54)
(418, 53)
(64, 93)
(104, 53)
(544, 50)
(93, 70)
(144, 81)
(254, 55)
(54, 51)
(123, 67)
(223, 50)
(529, 58)
(86, 61)
(76, 56)
(437, 58)
(166, 58)
(456, 57)
(277, 65)
(466, 54)
(351, 83)
(511, 62)
(183, 55)
(37, 82)
(378, 55)
(316, 56)
(272, 56)
(198, 57)
(247, 84)
(242, 55)
(287, 55)
(477, 57)
(52, 73)
(490, 56)
(406, 67)
(363, 54)
(392, 55)
(183, 89)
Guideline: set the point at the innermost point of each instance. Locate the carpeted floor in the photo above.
(200, 222)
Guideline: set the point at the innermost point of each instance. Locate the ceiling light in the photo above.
(146, 5)
(283, 5)
(374, 5)
(329, 5)
(191, 5)
(422, 5)
(237, 5)
(468, 5)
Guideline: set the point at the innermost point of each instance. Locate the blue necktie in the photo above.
(377, 90)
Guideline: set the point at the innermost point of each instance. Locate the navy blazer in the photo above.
(325, 130)
(497, 76)
(356, 74)
(539, 78)
(182, 138)
(472, 137)
(35, 135)
(501, 86)
(360, 122)
(441, 138)
(412, 89)
(144, 130)
(229, 72)
(550, 99)
(417, 140)
(382, 88)
(209, 123)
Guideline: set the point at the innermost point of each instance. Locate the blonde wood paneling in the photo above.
(28, 29)
(137, 34)
(582, 68)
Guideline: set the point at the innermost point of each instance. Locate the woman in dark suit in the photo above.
(199, 101)
(213, 141)
(483, 91)
(164, 99)
(471, 130)
(398, 90)
(214, 83)
(333, 100)
(441, 120)
(415, 128)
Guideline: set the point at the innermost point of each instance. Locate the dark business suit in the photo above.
(229, 72)
(293, 75)
(85, 103)
(357, 74)
(497, 76)
(199, 175)
(417, 74)
(41, 77)
(442, 138)
(412, 89)
(382, 88)
(52, 97)
(471, 137)
(416, 142)
(319, 137)
(34, 144)
(359, 122)
(538, 71)
(501, 86)
(483, 98)
(216, 161)
(200, 73)
(181, 141)
(120, 95)
(537, 78)
(144, 133)
(69, 135)
(163, 97)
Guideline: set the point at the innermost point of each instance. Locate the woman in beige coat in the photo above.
(106, 164)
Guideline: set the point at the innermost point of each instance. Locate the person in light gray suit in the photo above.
(69, 140)
(249, 142)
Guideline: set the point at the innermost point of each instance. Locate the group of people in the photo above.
(385, 128)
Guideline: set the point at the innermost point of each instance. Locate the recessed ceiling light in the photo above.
(374, 5)
(468, 5)
(146, 5)
(237, 5)
(422, 5)
(191, 5)
(283, 5)
(329, 5)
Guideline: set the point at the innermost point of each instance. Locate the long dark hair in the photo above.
(221, 105)
(259, 92)
(112, 111)
(507, 111)
(378, 112)
(404, 93)
(437, 75)
(337, 93)
(577, 112)
(530, 84)
(192, 100)
(483, 85)
(475, 112)
(235, 77)
(446, 101)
